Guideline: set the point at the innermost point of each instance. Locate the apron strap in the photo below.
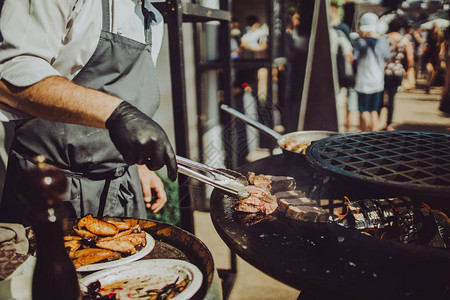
(105, 7)
(149, 17)
(104, 198)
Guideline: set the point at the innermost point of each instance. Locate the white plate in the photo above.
(156, 273)
(114, 263)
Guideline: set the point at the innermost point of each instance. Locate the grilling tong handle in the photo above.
(226, 180)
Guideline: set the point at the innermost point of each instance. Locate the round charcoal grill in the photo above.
(404, 160)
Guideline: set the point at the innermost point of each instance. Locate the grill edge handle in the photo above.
(263, 128)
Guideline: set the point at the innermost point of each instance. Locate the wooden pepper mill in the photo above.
(43, 188)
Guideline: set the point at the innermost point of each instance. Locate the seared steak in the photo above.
(272, 183)
(262, 189)
(261, 193)
(284, 204)
(307, 213)
(290, 194)
(253, 204)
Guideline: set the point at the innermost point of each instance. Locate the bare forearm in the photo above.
(60, 100)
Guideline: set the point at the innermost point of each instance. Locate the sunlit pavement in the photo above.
(415, 110)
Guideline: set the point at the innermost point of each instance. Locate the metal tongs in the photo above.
(229, 181)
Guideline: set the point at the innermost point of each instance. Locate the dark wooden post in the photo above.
(318, 106)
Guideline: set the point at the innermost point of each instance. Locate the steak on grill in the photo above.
(284, 204)
(307, 213)
(272, 183)
(261, 190)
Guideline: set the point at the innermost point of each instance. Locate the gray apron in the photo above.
(100, 182)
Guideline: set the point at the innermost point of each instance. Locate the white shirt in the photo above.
(57, 37)
(253, 39)
(370, 67)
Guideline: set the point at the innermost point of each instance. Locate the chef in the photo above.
(84, 73)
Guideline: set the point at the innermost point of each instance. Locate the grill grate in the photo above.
(402, 159)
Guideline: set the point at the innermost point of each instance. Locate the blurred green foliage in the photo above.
(170, 213)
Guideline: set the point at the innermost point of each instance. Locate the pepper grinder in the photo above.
(43, 188)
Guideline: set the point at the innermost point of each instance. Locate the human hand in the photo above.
(152, 183)
(140, 139)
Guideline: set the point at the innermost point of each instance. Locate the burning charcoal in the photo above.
(408, 232)
(342, 222)
(417, 226)
(401, 205)
(356, 217)
(272, 183)
(386, 211)
(360, 221)
(396, 219)
(372, 214)
(307, 213)
(443, 229)
(284, 204)
(359, 218)
(290, 194)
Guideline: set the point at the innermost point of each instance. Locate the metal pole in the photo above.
(175, 22)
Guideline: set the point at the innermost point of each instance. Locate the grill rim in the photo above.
(332, 156)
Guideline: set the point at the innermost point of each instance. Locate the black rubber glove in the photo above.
(140, 139)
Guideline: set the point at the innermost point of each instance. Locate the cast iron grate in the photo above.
(403, 159)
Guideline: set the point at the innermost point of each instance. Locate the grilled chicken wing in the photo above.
(120, 234)
(83, 233)
(120, 245)
(93, 257)
(120, 225)
(86, 251)
(136, 238)
(71, 238)
(97, 226)
(73, 245)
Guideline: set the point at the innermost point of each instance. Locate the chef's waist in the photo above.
(93, 170)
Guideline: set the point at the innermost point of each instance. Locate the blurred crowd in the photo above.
(383, 56)
(380, 56)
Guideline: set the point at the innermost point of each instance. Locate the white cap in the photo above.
(368, 22)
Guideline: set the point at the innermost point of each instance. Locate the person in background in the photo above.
(340, 36)
(254, 41)
(292, 28)
(395, 71)
(433, 54)
(285, 67)
(336, 22)
(371, 52)
(89, 86)
(418, 41)
(235, 42)
(444, 105)
(296, 52)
